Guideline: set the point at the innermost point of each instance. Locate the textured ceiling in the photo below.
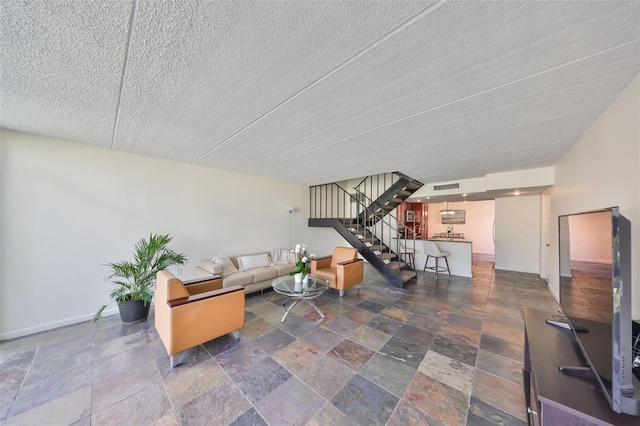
(316, 91)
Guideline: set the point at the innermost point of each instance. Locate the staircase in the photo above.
(363, 217)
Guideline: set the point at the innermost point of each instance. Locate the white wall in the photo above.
(478, 227)
(69, 208)
(518, 235)
(601, 170)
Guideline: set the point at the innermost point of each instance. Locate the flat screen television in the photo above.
(595, 298)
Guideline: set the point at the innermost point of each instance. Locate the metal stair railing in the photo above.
(375, 186)
(393, 235)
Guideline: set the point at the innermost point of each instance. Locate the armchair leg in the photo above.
(236, 334)
(341, 293)
(173, 360)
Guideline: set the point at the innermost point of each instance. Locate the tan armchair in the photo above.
(343, 269)
(188, 314)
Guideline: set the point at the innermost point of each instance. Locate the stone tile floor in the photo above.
(440, 352)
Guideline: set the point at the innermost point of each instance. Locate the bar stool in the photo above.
(407, 253)
(431, 249)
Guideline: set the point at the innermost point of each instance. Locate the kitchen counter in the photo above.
(459, 258)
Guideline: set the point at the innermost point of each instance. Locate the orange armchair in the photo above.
(343, 269)
(188, 314)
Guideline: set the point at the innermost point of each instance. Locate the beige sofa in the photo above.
(252, 279)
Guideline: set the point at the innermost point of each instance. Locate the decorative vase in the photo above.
(297, 280)
(305, 282)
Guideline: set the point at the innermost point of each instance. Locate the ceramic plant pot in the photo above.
(133, 311)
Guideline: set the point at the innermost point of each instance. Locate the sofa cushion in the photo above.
(261, 274)
(239, 278)
(256, 261)
(328, 274)
(284, 269)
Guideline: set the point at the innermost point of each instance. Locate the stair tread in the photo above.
(369, 240)
(384, 256)
(407, 275)
(396, 266)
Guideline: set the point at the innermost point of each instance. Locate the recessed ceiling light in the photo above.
(428, 198)
(464, 195)
(517, 192)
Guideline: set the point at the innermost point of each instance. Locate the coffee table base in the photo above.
(295, 302)
(296, 292)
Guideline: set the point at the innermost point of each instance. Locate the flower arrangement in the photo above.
(303, 260)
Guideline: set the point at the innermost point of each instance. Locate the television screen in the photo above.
(595, 296)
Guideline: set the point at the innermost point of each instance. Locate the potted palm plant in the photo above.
(134, 282)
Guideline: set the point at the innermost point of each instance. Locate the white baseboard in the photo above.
(54, 324)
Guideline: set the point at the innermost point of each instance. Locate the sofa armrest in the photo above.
(350, 267)
(210, 267)
(350, 272)
(320, 263)
(201, 280)
(323, 258)
(348, 262)
(201, 296)
(203, 285)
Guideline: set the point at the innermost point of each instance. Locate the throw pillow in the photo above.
(256, 261)
(227, 265)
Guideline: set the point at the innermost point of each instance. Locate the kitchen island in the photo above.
(459, 258)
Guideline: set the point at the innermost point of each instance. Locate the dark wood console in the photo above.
(554, 398)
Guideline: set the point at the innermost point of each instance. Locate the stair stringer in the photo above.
(392, 277)
(369, 214)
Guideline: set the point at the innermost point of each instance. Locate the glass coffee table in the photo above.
(286, 285)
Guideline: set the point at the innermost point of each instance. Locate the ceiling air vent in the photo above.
(447, 186)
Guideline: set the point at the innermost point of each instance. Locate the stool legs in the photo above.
(436, 269)
(425, 264)
(408, 256)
